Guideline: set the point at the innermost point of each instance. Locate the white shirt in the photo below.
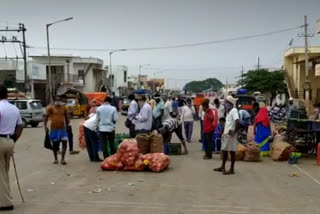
(232, 116)
(143, 121)
(9, 118)
(167, 110)
(91, 123)
(220, 111)
(133, 110)
(187, 114)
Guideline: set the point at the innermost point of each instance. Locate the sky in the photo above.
(129, 24)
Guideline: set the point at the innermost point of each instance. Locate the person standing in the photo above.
(106, 118)
(262, 131)
(10, 131)
(58, 115)
(158, 111)
(220, 108)
(229, 137)
(187, 117)
(143, 121)
(90, 133)
(291, 107)
(91, 108)
(167, 109)
(208, 129)
(132, 112)
(64, 99)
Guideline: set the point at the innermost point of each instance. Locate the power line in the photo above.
(181, 45)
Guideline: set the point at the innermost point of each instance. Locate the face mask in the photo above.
(58, 103)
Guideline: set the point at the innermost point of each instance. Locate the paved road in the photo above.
(189, 186)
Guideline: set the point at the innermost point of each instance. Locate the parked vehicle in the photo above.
(77, 103)
(31, 111)
(245, 102)
(278, 114)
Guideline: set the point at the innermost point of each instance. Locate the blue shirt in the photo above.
(158, 109)
(143, 121)
(107, 117)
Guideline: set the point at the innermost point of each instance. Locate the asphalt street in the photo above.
(188, 186)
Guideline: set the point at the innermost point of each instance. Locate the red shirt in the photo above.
(208, 122)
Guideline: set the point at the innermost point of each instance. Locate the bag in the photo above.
(156, 143)
(241, 149)
(252, 153)
(47, 142)
(143, 143)
(128, 123)
(281, 151)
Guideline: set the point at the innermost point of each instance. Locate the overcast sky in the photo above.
(118, 24)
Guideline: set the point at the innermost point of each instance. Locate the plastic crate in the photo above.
(292, 123)
(315, 125)
(174, 149)
(303, 124)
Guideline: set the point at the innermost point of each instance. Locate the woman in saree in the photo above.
(262, 131)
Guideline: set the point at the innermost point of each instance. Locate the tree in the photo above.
(199, 86)
(265, 81)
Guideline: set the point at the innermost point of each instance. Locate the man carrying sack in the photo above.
(10, 132)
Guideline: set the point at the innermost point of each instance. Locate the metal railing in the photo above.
(68, 78)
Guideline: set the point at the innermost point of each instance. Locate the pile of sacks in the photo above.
(129, 158)
(248, 152)
(150, 143)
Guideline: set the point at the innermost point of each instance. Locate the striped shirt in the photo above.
(171, 124)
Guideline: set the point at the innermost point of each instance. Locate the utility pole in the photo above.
(23, 42)
(241, 80)
(26, 80)
(258, 66)
(306, 85)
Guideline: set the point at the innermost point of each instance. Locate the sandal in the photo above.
(229, 173)
(63, 162)
(55, 162)
(220, 169)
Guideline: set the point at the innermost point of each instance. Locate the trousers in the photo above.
(188, 128)
(92, 144)
(107, 140)
(6, 151)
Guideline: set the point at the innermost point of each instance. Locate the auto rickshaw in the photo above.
(76, 104)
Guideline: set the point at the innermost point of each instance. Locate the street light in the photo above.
(110, 72)
(49, 58)
(140, 67)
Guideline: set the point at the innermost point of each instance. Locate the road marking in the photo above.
(307, 174)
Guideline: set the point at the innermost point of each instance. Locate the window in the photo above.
(36, 105)
(22, 105)
(125, 76)
(81, 75)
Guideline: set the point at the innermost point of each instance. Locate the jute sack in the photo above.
(156, 143)
(241, 149)
(252, 153)
(143, 141)
(281, 151)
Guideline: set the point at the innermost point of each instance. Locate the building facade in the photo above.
(294, 68)
(83, 74)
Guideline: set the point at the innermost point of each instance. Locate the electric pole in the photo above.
(258, 66)
(241, 80)
(306, 85)
(14, 39)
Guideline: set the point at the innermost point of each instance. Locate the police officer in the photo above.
(10, 132)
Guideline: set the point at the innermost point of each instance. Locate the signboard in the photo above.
(317, 70)
(38, 71)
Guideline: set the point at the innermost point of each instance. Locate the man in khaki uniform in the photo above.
(10, 131)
